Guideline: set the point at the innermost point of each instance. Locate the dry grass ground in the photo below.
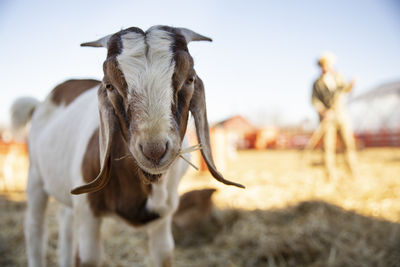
(288, 215)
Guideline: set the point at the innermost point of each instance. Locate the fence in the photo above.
(383, 138)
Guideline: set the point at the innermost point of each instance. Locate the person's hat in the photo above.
(327, 59)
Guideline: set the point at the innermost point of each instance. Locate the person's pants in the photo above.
(330, 127)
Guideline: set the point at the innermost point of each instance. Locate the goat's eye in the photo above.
(108, 86)
(190, 80)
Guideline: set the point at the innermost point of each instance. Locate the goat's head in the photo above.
(148, 89)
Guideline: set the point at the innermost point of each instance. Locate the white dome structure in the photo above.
(376, 110)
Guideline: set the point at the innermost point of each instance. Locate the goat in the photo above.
(122, 145)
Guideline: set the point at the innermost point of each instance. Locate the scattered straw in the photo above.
(124, 157)
(189, 150)
(286, 217)
(180, 154)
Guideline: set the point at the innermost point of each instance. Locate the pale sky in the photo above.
(261, 63)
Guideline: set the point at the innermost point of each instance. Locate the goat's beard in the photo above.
(149, 171)
(153, 172)
(150, 178)
(146, 176)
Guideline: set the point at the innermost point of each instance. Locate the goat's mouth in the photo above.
(151, 171)
(153, 159)
(152, 178)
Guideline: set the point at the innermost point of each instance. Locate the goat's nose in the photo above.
(154, 151)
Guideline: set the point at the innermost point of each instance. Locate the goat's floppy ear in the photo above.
(108, 131)
(198, 110)
(102, 42)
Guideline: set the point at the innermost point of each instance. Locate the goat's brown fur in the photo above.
(126, 193)
(68, 91)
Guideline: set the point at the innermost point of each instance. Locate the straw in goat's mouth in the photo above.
(180, 154)
(124, 157)
(189, 150)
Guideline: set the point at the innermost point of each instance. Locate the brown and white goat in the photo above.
(122, 144)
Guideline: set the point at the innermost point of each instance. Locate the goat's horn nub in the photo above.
(102, 42)
(192, 36)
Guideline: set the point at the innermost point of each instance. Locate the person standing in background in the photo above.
(328, 99)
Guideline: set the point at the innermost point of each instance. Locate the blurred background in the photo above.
(258, 74)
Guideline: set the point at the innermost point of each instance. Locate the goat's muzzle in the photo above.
(155, 151)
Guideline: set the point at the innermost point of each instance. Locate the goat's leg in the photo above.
(161, 243)
(35, 232)
(65, 237)
(86, 235)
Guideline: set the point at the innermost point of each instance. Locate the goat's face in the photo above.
(149, 79)
(148, 89)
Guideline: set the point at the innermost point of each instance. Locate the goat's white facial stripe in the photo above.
(147, 65)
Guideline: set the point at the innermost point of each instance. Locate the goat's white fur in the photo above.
(35, 232)
(58, 139)
(87, 232)
(21, 112)
(146, 62)
(60, 134)
(164, 199)
(148, 73)
(65, 237)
